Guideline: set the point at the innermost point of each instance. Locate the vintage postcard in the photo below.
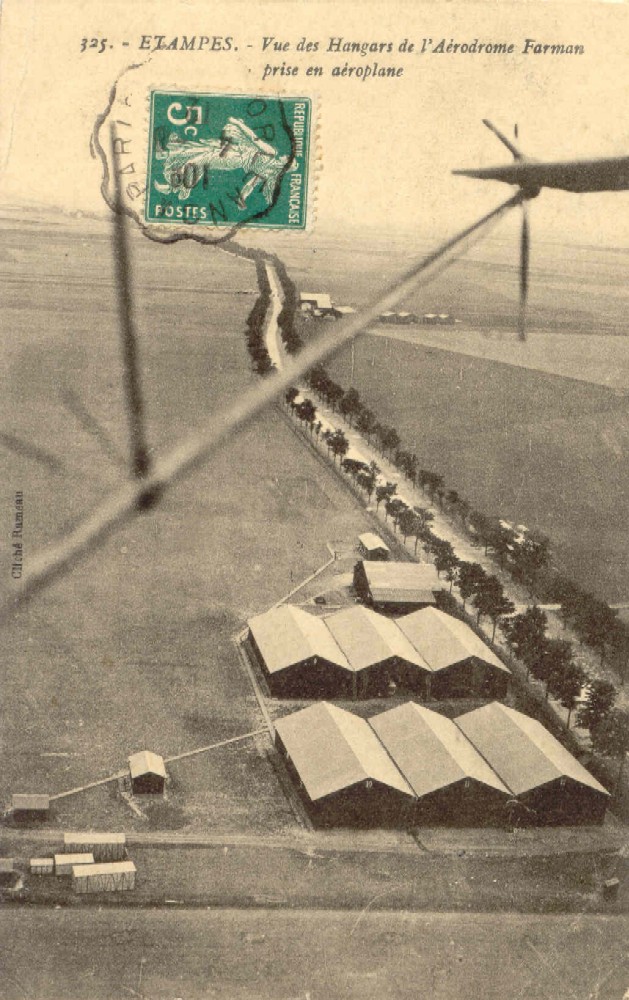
(314, 590)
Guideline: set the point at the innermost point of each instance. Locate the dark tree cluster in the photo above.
(525, 554)
(256, 323)
(287, 317)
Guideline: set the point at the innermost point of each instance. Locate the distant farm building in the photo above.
(148, 773)
(378, 652)
(314, 300)
(396, 587)
(372, 547)
(400, 318)
(451, 781)
(26, 808)
(438, 319)
(344, 775)
(460, 662)
(340, 312)
(298, 655)
(542, 775)
(42, 866)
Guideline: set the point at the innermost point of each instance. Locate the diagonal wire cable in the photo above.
(140, 494)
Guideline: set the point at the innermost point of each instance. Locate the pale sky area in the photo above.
(385, 147)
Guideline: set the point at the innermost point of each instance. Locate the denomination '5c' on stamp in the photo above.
(223, 160)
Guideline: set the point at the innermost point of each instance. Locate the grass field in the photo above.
(134, 649)
(514, 440)
(531, 447)
(255, 955)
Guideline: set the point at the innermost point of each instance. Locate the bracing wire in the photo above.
(145, 489)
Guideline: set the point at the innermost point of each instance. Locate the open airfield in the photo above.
(300, 955)
(135, 648)
(537, 433)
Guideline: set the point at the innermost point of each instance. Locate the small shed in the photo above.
(544, 777)
(340, 312)
(104, 846)
(42, 866)
(30, 806)
(148, 773)
(343, 773)
(372, 547)
(452, 782)
(396, 587)
(119, 876)
(461, 664)
(64, 863)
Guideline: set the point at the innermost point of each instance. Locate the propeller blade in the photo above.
(524, 271)
(515, 152)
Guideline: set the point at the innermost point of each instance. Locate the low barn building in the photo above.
(377, 651)
(148, 774)
(117, 876)
(344, 775)
(26, 808)
(104, 846)
(460, 662)
(396, 587)
(298, 655)
(372, 547)
(452, 782)
(315, 300)
(544, 777)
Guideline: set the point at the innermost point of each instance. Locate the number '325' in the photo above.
(93, 43)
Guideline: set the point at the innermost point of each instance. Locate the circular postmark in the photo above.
(185, 162)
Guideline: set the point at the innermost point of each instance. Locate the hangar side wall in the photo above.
(313, 678)
(368, 805)
(465, 803)
(565, 801)
(471, 676)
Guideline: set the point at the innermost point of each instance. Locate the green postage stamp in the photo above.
(228, 160)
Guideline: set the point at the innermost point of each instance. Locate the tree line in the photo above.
(526, 555)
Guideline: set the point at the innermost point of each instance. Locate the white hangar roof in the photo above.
(521, 751)
(287, 635)
(332, 749)
(443, 640)
(430, 750)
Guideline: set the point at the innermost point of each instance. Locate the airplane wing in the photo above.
(608, 174)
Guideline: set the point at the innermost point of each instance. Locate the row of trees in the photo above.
(525, 554)
(287, 317)
(549, 660)
(256, 322)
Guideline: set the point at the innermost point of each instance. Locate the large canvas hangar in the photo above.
(451, 780)
(460, 662)
(356, 652)
(377, 651)
(297, 655)
(343, 773)
(551, 785)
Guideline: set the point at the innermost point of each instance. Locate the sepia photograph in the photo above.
(314, 547)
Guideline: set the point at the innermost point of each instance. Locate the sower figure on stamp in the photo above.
(239, 148)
